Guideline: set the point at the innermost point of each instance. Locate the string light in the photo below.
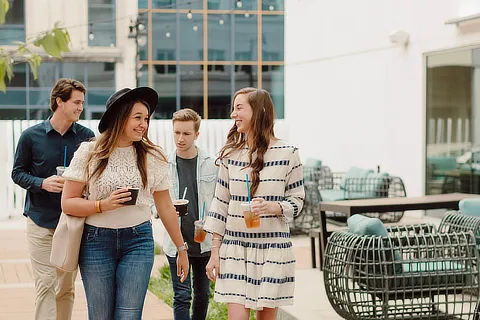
(239, 3)
(168, 34)
(189, 15)
(247, 14)
(91, 36)
(195, 28)
(271, 7)
(221, 21)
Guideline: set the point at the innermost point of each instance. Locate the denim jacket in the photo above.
(206, 181)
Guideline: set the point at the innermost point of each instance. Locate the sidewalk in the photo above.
(17, 291)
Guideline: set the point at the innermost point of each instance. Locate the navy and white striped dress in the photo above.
(257, 266)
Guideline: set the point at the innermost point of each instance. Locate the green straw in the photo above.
(203, 210)
(248, 187)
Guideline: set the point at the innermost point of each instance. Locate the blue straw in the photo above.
(65, 157)
(248, 187)
(203, 210)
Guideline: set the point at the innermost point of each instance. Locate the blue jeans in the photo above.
(115, 265)
(183, 291)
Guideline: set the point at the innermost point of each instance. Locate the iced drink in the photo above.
(61, 170)
(200, 233)
(181, 205)
(251, 220)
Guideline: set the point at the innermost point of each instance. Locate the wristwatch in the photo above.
(183, 247)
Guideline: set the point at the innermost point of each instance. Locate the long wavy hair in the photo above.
(107, 142)
(259, 135)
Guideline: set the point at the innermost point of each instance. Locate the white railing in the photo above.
(448, 136)
(212, 137)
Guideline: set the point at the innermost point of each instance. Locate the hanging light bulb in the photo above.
(195, 28)
(189, 15)
(91, 36)
(168, 34)
(271, 7)
(221, 21)
(239, 3)
(247, 14)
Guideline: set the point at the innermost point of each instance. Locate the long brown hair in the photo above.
(108, 141)
(261, 132)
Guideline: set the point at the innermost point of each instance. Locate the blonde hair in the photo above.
(187, 114)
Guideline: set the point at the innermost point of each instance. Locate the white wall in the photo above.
(354, 98)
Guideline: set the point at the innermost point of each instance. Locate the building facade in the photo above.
(195, 53)
(388, 83)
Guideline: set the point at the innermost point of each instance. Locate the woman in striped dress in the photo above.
(254, 268)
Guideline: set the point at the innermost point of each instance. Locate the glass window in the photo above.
(191, 88)
(14, 27)
(164, 40)
(143, 41)
(142, 4)
(219, 92)
(102, 23)
(19, 78)
(72, 70)
(13, 97)
(245, 37)
(246, 76)
(220, 4)
(273, 38)
(273, 5)
(191, 38)
(100, 75)
(452, 124)
(47, 75)
(164, 81)
(273, 82)
(142, 76)
(41, 113)
(165, 4)
(245, 4)
(194, 4)
(219, 37)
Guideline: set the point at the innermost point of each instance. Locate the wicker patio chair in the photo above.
(363, 188)
(412, 273)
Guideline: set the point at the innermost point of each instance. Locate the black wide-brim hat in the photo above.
(119, 98)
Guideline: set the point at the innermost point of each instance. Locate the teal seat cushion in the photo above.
(332, 195)
(470, 207)
(353, 173)
(376, 185)
(432, 266)
(365, 226)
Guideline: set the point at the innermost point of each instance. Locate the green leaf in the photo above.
(34, 61)
(62, 39)
(4, 6)
(50, 45)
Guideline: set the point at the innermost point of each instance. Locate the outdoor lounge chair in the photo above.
(402, 272)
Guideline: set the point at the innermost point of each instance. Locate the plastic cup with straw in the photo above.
(60, 169)
(251, 220)
(200, 233)
(181, 205)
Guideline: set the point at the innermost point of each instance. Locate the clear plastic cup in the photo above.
(61, 170)
(200, 233)
(251, 220)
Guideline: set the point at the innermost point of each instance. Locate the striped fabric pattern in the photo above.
(257, 266)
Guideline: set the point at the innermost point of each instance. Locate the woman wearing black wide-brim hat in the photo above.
(119, 173)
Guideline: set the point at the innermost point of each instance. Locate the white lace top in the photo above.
(121, 171)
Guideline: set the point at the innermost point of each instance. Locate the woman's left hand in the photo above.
(262, 207)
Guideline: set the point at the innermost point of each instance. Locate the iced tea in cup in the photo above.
(200, 233)
(251, 220)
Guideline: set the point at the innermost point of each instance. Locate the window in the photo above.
(102, 23)
(14, 27)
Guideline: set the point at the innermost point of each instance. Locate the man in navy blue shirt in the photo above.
(41, 149)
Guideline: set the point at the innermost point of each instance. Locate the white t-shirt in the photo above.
(121, 171)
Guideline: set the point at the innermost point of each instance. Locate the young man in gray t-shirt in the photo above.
(195, 170)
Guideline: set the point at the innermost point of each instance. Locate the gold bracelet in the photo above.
(98, 206)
